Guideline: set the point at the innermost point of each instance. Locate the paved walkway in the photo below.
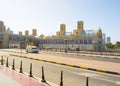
(10, 77)
(7, 81)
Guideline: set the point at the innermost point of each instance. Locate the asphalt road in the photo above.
(74, 55)
(72, 76)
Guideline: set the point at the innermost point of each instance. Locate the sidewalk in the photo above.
(12, 78)
(100, 66)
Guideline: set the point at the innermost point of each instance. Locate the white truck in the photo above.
(32, 49)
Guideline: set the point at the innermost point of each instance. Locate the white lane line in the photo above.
(118, 82)
(97, 76)
(86, 74)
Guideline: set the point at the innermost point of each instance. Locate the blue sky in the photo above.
(47, 15)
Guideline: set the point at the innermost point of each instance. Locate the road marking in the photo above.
(69, 65)
(101, 70)
(58, 63)
(118, 73)
(90, 75)
(83, 67)
(97, 76)
(118, 82)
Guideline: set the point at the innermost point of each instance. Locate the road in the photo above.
(72, 76)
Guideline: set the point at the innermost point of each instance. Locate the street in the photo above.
(71, 76)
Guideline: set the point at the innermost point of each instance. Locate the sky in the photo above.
(47, 15)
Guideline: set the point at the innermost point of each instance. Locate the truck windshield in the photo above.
(34, 48)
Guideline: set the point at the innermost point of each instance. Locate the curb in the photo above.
(70, 65)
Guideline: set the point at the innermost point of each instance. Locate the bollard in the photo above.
(43, 77)
(21, 71)
(7, 62)
(13, 65)
(61, 79)
(2, 60)
(86, 81)
(30, 74)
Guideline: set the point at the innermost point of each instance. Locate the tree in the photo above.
(117, 44)
(109, 46)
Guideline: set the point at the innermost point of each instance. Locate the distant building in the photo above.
(104, 38)
(108, 39)
(9, 31)
(2, 27)
(79, 38)
(104, 41)
(10, 40)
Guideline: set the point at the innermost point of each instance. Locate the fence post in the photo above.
(13, 65)
(43, 77)
(86, 81)
(61, 79)
(7, 62)
(21, 71)
(2, 60)
(30, 74)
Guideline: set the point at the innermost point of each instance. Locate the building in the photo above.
(9, 31)
(104, 41)
(3, 36)
(10, 40)
(78, 39)
(108, 39)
